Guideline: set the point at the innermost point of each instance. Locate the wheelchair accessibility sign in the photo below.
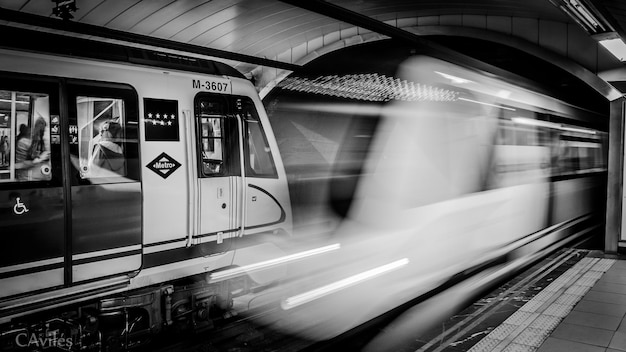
(163, 165)
(19, 208)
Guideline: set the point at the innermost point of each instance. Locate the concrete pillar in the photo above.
(615, 229)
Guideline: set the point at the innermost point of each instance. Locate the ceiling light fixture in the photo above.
(613, 43)
(587, 16)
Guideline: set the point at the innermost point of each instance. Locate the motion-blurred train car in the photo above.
(125, 172)
(446, 180)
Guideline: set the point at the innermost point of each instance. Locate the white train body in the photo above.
(197, 178)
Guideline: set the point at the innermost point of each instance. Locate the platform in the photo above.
(582, 310)
(573, 301)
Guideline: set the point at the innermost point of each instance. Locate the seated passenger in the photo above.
(107, 158)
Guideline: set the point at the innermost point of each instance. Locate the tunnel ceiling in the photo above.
(268, 31)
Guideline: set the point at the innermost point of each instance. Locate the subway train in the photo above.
(443, 180)
(144, 191)
(127, 175)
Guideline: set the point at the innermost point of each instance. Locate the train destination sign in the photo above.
(163, 165)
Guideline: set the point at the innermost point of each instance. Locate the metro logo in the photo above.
(163, 165)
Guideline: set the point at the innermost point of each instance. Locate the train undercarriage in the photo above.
(127, 321)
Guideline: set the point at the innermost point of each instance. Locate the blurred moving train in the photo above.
(136, 170)
(445, 180)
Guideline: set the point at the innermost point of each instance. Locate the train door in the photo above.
(32, 200)
(219, 171)
(239, 188)
(104, 181)
(263, 189)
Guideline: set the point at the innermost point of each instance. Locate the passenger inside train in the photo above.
(107, 155)
(101, 137)
(25, 136)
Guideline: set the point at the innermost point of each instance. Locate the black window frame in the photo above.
(230, 137)
(240, 102)
(130, 144)
(50, 86)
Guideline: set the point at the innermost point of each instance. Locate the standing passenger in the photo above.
(4, 149)
(29, 154)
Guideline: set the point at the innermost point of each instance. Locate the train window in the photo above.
(506, 134)
(101, 137)
(212, 142)
(578, 153)
(259, 161)
(211, 123)
(24, 136)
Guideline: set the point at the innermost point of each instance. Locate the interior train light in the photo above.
(533, 122)
(320, 292)
(548, 124)
(234, 272)
(579, 130)
(488, 104)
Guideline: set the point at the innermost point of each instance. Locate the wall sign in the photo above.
(160, 117)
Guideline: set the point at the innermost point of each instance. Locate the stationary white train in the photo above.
(121, 177)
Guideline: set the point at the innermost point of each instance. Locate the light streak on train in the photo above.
(306, 297)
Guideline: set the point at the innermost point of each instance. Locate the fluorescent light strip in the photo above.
(494, 105)
(230, 273)
(317, 293)
(581, 11)
(583, 144)
(531, 122)
(580, 130)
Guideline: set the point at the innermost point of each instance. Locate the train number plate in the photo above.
(212, 85)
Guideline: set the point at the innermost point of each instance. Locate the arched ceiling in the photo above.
(263, 28)
(272, 34)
